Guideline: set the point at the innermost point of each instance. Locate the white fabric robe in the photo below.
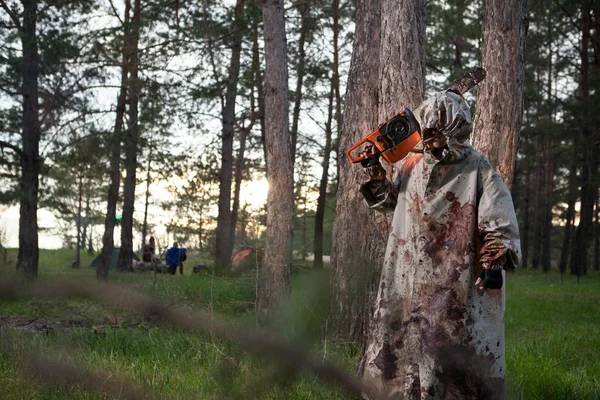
(434, 334)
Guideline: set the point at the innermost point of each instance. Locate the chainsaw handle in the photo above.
(360, 157)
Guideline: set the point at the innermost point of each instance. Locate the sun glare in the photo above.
(254, 193)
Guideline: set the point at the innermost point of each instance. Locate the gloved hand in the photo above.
(373, 169)
(489, 279)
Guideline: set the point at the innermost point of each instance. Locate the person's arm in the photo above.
(380, 194)
(497, 224)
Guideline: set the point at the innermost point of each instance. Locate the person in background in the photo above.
(175, 257)
(148, 251)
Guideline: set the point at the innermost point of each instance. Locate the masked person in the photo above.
(438, 326)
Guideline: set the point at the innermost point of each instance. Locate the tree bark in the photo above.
(583, 232)
(547, 228)
(115, 156)
(275, 274)
(387, 72)
(321, 201)
(549, 169)
(596, 264)
(239, 176)
(336, 83)
(28, 255)
(569, 217)
(525, 230)
(86, 219)
(500, 97)
(147, 200)
(131, 144)
(539, 203)
(260, 94)
(78, 222)
(224, 245)
(300, 67)
(352, 269)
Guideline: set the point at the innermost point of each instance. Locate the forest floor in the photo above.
(552, 343)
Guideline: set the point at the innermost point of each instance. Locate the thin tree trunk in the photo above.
(597, 234)
(224, 245)
(549, 186)
(28, 255)
(90, 248)
(131, 144)
(503, 55)
(336, 83)
(239, 166)
(78, 222)
(549, 169)
(525, 231)
(239, 176)
(583, 232)
(258, 84)
(275, 275)
(572, 197)
(300, 66)
(539, 201)
(321, 201)
(115, 156)
(147, 201)
(86, 219)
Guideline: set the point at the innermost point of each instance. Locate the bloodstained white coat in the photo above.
(434, 334)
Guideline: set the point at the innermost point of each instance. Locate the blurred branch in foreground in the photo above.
(293, 357)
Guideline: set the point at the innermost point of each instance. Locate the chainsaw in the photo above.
(399, 135)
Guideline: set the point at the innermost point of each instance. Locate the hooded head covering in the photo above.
(447, 112)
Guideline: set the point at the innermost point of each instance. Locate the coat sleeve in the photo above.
(497, 222)
(381, 195)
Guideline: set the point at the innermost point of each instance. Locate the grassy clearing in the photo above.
(553, 337)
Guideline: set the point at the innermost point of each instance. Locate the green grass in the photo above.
(553, 335)
(552, 329)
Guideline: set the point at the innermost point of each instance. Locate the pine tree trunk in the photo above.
(78, 222)
(131, 144)
(275, 274)
(539, 203)
(28, 255)
(147, 200)
(549, 186)
(352, 269)
(86, 219)
(239, 176)
(300, 61)
(115, 156)
(224, 245)
(320, 213)
(549, 170)
(588, 167)
(525, 230)
(501, 94)
(385, 75)
(569, 217)
(336, 82)
(596, 264)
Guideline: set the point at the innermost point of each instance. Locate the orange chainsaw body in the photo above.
(392, 140)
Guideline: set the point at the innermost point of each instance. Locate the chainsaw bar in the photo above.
(468, 81)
